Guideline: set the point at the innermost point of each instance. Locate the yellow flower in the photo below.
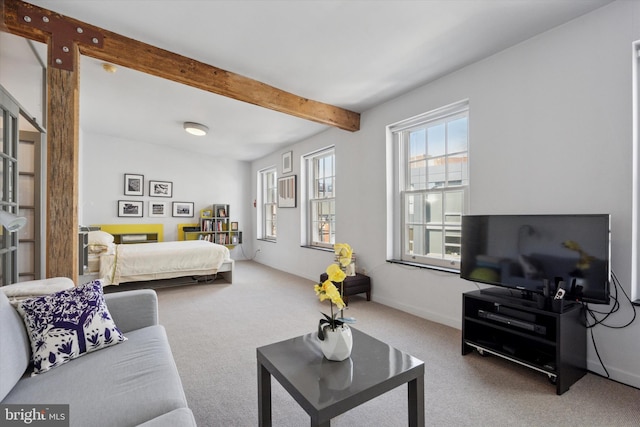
(320, 292)
(335, 273)
(328, 290)
(344, 253)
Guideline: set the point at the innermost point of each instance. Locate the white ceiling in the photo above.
(353, 54)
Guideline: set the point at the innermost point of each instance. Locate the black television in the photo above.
(522, 252)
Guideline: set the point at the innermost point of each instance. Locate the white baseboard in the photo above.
(454, 322)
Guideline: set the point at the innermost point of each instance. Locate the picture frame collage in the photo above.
(134, 186)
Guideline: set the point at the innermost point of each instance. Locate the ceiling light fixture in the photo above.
(196, 128)
(109, 68)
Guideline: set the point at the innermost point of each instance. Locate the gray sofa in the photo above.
(135, 382)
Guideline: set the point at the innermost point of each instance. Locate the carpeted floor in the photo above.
(214, 330)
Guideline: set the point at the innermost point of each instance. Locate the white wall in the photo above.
(196, 178)
(550, 132)
(21, 74)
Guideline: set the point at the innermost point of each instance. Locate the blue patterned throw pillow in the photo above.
(67, 324)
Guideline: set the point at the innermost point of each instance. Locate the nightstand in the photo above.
(353, 285)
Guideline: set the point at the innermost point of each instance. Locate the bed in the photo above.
(162, 260)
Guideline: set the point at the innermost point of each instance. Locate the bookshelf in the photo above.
(215, 226)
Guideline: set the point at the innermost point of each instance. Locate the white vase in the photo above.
(337, 344)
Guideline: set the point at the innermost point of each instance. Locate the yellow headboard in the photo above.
(133, 229)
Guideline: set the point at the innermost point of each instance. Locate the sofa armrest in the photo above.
(133, 310)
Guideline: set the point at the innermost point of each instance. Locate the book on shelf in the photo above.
(206, 237)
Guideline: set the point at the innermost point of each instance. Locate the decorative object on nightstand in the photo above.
(354, 283)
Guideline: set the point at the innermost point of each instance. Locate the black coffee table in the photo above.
(326, 389)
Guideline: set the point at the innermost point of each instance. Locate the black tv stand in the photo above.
(554, 344)
(525, 297)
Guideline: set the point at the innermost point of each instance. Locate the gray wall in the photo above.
(550, 132)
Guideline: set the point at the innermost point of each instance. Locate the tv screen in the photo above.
(522, 251)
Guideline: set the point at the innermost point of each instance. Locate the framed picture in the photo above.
(184, 209)
(133, 184)
(234, 226)
(129, 208)
(287, 192)
(157, 209)
(160, 188)
(222, 212)
(287, 164)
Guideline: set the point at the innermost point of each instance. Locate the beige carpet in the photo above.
(214, 330)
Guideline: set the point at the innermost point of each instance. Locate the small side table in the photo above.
(326, 389)
(353, 285)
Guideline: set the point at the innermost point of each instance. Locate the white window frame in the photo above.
(316, 200)
(635, 224)
(268, 202)
(449, 226)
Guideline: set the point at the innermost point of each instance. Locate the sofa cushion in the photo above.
(67, 324)
(124, 385)
(14, 346)
(182, 417)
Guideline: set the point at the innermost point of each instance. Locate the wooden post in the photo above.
(62, 170)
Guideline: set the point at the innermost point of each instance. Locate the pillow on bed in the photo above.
(100, 238)
(96, 249)
(68, 324)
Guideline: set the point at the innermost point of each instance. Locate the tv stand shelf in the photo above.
(554, 344)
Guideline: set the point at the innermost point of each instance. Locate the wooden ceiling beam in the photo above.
(149, 59)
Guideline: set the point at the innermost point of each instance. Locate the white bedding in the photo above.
(152, 261)
(95, 252)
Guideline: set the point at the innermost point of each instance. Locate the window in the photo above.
(268, 204)
(320, 169)
(431, 182)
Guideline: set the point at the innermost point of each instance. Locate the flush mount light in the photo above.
(196, 128)
(109, 68)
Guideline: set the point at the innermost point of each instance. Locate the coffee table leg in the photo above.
(264, 396)
(315, 423)
(416, 402)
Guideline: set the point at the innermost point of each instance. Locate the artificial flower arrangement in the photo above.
(328, 290)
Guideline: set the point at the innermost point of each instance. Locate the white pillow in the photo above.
(100, 238)
(109, 249)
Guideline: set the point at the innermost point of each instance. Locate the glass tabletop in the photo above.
(373, 368)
